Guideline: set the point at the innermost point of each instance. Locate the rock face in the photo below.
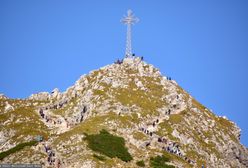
(2, 96)
(130, 99)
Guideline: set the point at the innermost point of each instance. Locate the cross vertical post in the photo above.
(129, 20)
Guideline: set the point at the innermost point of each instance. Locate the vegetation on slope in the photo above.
(160, 162)
(109, 145)
(140, 163)
(16, 149)
(18, 122)
(131, 96)
(99, 157)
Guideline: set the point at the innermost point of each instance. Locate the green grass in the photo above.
(160, 162)
(139, 135)
(175, 118)
(132, 95)
(16, 149)
(109, 145)
(140, 163)
(166, 126)
(166, 129)
(225, 123)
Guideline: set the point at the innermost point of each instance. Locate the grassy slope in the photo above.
(17, 148)
(25, 123)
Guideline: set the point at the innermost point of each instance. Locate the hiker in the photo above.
(147, 132)
(41, 113)
(84, 109)
(57, 163)
(60, 105)
(45, 148)
(81, 119)
(50, 154)
(118, 61)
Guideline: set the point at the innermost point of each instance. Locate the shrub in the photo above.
(109, 145)
(160, 162)
(16, 149)
(140, 163)
(99, 157)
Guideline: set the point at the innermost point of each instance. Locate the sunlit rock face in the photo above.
(130, 99)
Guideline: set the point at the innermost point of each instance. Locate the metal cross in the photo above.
(129, 20)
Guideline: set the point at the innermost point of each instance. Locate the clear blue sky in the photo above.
(203, 45)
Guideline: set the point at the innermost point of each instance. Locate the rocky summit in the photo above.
(122, 115)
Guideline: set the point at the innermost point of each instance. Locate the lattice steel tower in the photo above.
(129, 20)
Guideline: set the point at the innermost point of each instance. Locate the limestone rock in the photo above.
(8, 107)
(2, 96)
(42, 96)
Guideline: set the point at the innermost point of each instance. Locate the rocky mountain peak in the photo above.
(131, 99)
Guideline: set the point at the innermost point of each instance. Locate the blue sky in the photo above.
(203, 45)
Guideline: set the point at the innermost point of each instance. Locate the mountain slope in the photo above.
(132, 100)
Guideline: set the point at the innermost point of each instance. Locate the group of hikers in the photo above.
(56, 106)
(121, 61)
(51, 159)
(173, 148)
(48, 119)
(170, 147)
(168, 112)
(146, 131)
